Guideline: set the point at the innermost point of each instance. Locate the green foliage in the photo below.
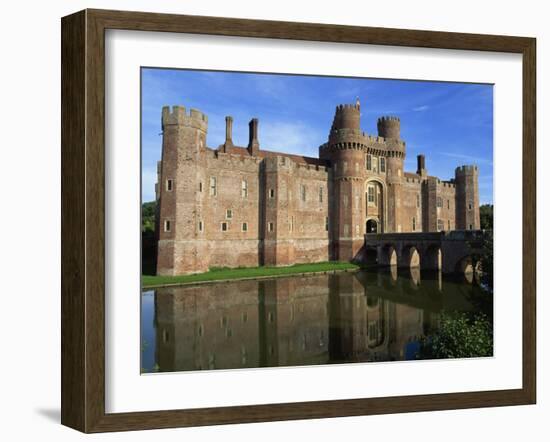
(222, 273)
(486, 216)
(460, 335)
(487, 259)
(148, 216)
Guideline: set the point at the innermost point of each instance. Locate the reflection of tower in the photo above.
(207, 327)
(358, 321)
(294, 328)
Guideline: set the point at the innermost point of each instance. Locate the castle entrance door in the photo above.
(372, 226)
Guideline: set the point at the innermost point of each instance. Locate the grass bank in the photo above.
(222, 274)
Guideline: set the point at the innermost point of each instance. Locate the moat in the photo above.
(363, 316)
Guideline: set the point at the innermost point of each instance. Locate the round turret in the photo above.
(347, 116)
(389, 127)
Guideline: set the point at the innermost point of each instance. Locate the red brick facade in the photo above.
(244, 206)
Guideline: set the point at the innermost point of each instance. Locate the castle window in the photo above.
(270, 227)
(169, 185)
(370, 194)
(382, 165)
(375, 164)
(439, 201)
(303, 192)
(414, 223)
(345, 201)
(201, 226)
(470, 205)
(271, 193)
(229, 214)
(369, 161)
(244, 189)
(326, 223)
(440, 225)
(346, 229)
(345, 166)
(320, 194)
(200, 186)
(449, 225)
(471, 227)
(225, 227)
(245, 227)
(167, 225)
(213, 186)
(448, 204)
(418, 200)
(356, 167)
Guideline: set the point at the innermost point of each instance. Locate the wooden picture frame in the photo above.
(83, 220)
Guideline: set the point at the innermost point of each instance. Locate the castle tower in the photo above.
(345, 150)
(467, 198)
(182, 177)
(389, 127)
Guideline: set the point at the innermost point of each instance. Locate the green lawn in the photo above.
(217, 274)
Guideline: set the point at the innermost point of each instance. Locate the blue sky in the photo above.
(450, 123)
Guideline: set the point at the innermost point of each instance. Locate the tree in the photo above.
(486, 216)
(460, 335)
(148, 216)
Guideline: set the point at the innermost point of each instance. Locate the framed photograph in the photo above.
(268, 221)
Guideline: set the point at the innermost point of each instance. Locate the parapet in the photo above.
(466, 170)
(177, 116)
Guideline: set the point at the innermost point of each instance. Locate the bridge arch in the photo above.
(468, 266)
(410, 256)
(432, 258)
(465, 265)
(388, 255)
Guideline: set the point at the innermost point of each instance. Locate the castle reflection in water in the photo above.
(317, 319)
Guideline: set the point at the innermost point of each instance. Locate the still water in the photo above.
(318, 319)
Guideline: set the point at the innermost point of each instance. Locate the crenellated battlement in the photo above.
(178, 116)
(466, 169)
(388, 118)
(342, 107)
(448, 184)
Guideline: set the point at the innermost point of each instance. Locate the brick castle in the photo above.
(245, 206)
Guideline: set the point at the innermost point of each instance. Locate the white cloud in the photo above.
(290, 137)
(471, 158)
(421, 108)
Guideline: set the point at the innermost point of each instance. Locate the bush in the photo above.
(460, 335)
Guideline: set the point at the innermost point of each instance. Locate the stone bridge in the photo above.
(456, 251)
